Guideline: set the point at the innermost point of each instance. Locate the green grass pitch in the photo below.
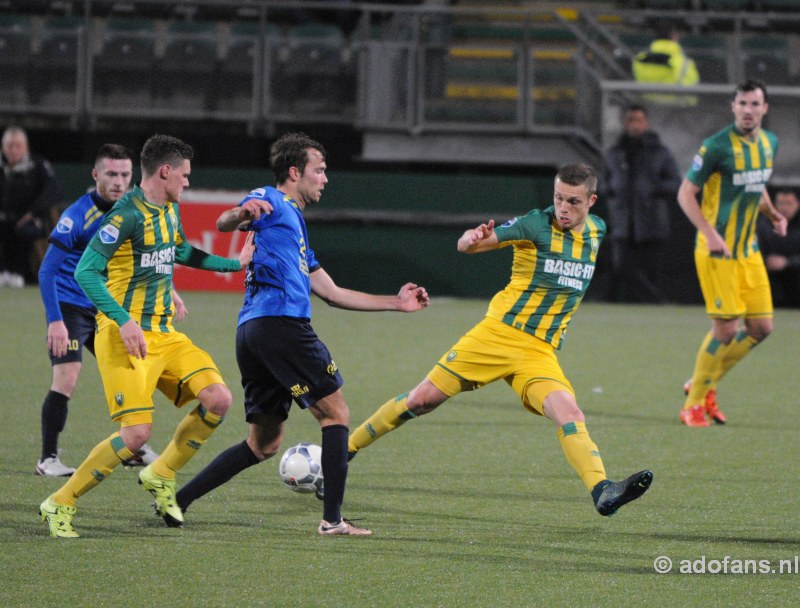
(473, 505)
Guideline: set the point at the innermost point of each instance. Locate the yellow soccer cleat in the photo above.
(163, 491)
(58, 518)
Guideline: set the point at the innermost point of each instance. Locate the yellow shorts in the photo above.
(734, 288)
(173, 365)
(492, 350)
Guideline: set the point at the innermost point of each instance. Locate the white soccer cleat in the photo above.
(343, 528)
(53, 467)
(143, 457)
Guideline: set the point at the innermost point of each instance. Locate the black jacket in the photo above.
(30, 186)
(641, 184)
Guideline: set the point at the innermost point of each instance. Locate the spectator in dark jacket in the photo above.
(29, 191)
(641, 182)
(782, 253)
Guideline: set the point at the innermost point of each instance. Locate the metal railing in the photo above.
(375, 67)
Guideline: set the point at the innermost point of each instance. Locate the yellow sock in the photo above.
(386, 418)
(98, 465)
(582, 453)
(706, 369)
(734, 352)
(192, 432)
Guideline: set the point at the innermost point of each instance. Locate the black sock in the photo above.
(334, 470)
(54, 417)
(231, 462)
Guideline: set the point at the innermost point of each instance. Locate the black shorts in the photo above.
(281, 359)
(80, 324)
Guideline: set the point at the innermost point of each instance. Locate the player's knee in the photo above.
(134, 437)
(425, 398)
(760, 332)
(264, 450)
(217, 399)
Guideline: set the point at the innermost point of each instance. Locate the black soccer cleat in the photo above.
(609, 496)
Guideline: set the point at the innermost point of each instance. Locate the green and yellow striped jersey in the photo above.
(139, 240)
(550, 274)
(733, 173)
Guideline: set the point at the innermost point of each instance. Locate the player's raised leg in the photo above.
(263, 441)
(582, 453)
(424, 398)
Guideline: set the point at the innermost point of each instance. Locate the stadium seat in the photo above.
(15, 59)
(186, 68)
(666, 4)
(767, 58)
(55, 68)
(727, 5)
(315, 52)
(235, 80)
(780, 5)
(125, 64)
(710, 54)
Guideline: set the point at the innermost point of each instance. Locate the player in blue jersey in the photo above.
(280, 357)
(70, 314)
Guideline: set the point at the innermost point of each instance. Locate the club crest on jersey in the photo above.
(510, 222)
(595, 243)
(64, 225)
(173, 220)
(109, 234)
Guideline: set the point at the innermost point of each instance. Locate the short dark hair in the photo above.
(578, 175)
(636, 107)
(161, 150)
(751, 85)
(291, 150)
(786, 190)
(114, 152)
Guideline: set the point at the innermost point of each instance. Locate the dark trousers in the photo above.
(786, 287)
(637, 271)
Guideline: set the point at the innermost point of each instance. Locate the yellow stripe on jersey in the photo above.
(593, 238)
(738, 151)
(768, 152)
(91, 215)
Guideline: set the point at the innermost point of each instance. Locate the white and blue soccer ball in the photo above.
(300, 468)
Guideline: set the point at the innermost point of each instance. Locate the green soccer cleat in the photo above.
(163, 491)
(58, 518)
(609, 496)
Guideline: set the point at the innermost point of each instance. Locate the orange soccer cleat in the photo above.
(712, 408)
(694, 416)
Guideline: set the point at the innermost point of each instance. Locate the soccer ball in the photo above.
(300, 468)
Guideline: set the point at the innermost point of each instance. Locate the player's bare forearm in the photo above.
(481, 238)
(248, 211)
(231, 219)
(779, 222)
(410, 298)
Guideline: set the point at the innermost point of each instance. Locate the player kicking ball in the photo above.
(555, 251)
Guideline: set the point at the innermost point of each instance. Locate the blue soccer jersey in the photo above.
(76, 227)
(278, 279)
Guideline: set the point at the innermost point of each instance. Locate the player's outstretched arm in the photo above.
(482, 238)
(411, 297)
